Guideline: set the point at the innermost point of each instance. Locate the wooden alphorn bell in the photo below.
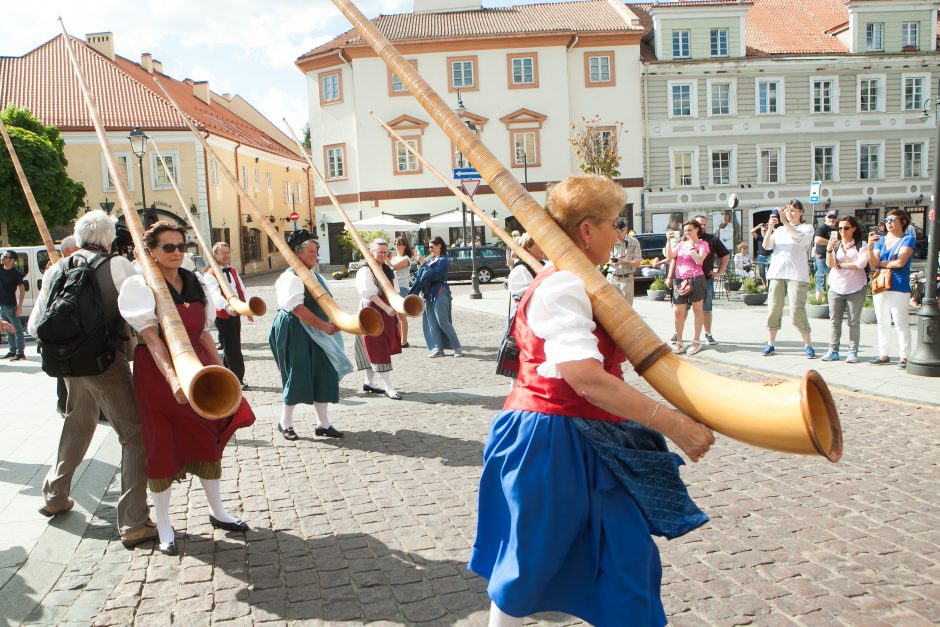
(366, 322)
(212, 391)
(411, 305)
(792, 417)
(255, 306)
(30, 199)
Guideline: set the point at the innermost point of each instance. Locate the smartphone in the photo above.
(614, 259)
(775, 213)
(420, 250)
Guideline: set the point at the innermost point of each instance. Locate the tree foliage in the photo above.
(306, 139)
(40, 149)
(346, 241)
(595, 146)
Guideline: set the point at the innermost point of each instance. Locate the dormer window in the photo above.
(681, 48)
(909, 35)
(719, 39)
(874, 37)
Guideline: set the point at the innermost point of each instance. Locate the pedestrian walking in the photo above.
(821, 240)
(763, 255)
(790, 240)
(12, 293)
(307, 349)
(178, 441)
(227, 322)
(893, 252)
(847, 257)
(374, 354)
(689, 289)
(431, 283)
(401, 264)
(557, 527)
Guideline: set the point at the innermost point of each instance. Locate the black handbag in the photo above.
(507, 356)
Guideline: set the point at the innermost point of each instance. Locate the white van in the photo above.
(31, 261)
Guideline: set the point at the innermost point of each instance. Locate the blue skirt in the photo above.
(556, 530)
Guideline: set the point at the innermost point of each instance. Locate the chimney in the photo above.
(146, 62)
(102, 42)
(201, 91)
(158, 66)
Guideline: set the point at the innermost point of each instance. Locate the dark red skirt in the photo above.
(380, 348)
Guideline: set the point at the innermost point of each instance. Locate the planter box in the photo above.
(817, 311)
(868, 316)
(656, 294)
(755, 299)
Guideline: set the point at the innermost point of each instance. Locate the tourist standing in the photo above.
(894, 251)
(847, 257)
(821, 239)
(431, 283)
(12, 293)
(689, 288)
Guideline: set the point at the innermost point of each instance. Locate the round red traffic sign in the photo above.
(294, 216)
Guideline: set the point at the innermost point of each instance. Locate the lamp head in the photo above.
(460, 108)
(138, 141)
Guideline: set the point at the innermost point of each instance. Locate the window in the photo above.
(824, 163)
(680, 44)
(913, 160)
(405, 161)
(331, 87)
(123, 165)
(909, 35)
(299, 198)
(823, 96)
(267, 181)
(524, 147)
(720, 98)
(245, 177)
(463, 73)
(681, 101)
(770, 165)
(523, 70)
(719, 39)
(395, 86)
(257, 180)
(599, 69)
(874, 37)
(335, 158)
(213, 172)
(869, 161)
(251, 244)
(287, 197)
(913, 93)
(159, 178)
(683, 168)
(721, 167)
(604, 140)
(768, 97)
(869, 94)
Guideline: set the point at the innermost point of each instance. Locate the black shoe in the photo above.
(245, 386)
(18, 357)
(329, 432)
(8, 355)
(405, 345)
(288, 433)
(395, 397)
(238, 525)
(169, 550)
(371, 389)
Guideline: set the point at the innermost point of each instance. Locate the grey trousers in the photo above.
(837, 306)
(113, 392)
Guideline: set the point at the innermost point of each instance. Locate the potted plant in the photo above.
(817, 307)
(868, 311)
(732, 280)
(657, 289)
(341, 274)
(754, 292)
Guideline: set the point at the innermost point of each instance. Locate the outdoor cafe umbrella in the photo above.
(451, 218)
(385, 223)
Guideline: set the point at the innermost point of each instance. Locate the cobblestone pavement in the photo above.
(377, 526)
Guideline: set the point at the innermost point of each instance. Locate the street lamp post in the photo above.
(925, 360)
(138, 141)
(474, 279)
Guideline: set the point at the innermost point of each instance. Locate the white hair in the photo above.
(219, 246)
(96, 228)
(68, 243)
(378, 241)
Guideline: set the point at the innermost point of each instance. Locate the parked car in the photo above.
(920, 243)
(31, 262)
(652, 244)
(491, 263)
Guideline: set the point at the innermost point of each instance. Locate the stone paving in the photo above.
(376, 527)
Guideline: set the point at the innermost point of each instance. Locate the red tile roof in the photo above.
(42, 80)
(591, 16)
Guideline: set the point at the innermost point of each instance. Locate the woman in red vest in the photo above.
(576, 473)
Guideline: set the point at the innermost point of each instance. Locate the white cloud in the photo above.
(277, 105)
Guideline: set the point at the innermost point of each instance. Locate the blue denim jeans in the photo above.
(17, 341)
(763, 262)
(822, 271)
(439, 331)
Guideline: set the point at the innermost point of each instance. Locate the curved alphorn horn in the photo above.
(367, 322)
(500, 232)
(411, 305)
(30, 199)
(802, 416)
(212, 391)
(255, 306)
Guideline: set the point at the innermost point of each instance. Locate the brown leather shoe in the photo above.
(49, 511)
(132, 538)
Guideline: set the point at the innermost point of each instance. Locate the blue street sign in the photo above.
(465, 173)
(814, 191)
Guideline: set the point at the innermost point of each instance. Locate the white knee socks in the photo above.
(323, 419)
(214, 496)
(161, 506)
(287, 416)
(370, 379)
(387, 380)
(498, 618)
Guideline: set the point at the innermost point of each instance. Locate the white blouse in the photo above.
(290, 291)
(790, 257)
(518, 281)
(560, 313)
(368, 286)
(139, 307)
(402, 275)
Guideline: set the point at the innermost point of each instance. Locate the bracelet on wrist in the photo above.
(649, 421)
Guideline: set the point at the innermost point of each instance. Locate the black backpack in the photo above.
(74, 336)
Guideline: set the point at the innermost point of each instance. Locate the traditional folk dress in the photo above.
(177, 440)
(310, 361)
(376, 352)
(569, 493)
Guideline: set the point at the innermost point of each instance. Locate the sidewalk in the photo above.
(741, 333)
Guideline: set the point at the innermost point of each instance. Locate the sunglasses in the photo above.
(169, 248)
(890, 220)
(7, 258)
(846, 228)
(620, 224)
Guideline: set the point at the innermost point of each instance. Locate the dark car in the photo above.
(652, 244)
(491, 263)
(920, 243)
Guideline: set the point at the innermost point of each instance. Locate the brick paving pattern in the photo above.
(377, 527)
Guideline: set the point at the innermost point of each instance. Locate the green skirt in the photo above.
(306, 372)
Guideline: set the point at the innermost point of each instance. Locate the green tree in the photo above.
(346, 241)
(595, 146)
(40, 149)
(306, 138)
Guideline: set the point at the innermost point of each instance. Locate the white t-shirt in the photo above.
(790, 257)
(403, 275)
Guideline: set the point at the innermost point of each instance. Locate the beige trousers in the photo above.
(624, 285)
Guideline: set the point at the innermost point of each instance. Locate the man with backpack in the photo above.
(82, 338)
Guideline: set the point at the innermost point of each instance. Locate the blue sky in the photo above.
(240, 46)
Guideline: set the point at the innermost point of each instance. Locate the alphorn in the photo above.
(212, 391)
(255, 306)
(411, 305)
(366, 322)
(30, 199)
(791, 417)
(500, 232)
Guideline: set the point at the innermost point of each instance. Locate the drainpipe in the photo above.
(238, 214)
(646, 148)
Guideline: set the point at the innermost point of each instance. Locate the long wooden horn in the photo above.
(793, 417)
(366, 322)
(212, 391)
(255, 306)
(30, 199)
(411, 305)
(500, 232)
